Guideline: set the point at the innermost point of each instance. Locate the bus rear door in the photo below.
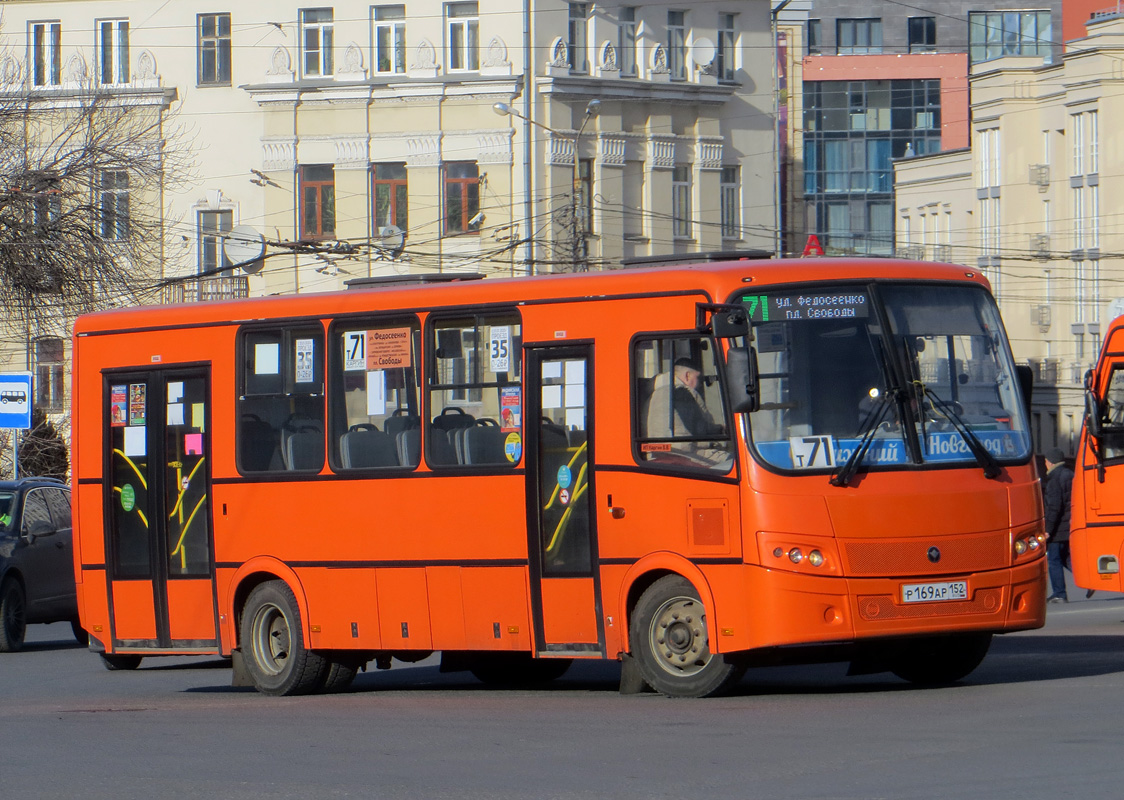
(560, 475)
(158, 528)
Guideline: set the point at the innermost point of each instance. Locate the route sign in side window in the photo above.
(375, 417)
(475, 391)
(281, 407)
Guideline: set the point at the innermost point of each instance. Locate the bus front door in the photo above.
(159, 548)
(560, 474)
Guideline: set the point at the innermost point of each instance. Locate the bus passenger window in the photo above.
(475, 391)
(680, 412)
(374, 400)
(281, 407)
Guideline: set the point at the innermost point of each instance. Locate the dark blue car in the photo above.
(36, 559)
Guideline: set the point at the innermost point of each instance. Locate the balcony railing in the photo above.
(201, 290)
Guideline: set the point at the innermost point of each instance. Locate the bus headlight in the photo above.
(1020, 547)
(795, 555)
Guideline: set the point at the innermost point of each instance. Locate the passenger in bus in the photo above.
(686, 416)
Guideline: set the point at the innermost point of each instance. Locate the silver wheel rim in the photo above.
(677, 637)
(271, 639)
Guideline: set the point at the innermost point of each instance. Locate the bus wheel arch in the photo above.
(274, 644)
(251, 575)
(670, 638)
(651, 569)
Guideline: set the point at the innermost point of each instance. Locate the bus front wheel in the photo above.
(671, 646)
(273, 645)
(940, 660)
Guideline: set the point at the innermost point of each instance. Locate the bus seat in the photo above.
(442, 451)
(304, 450)
(400, 422)
(367, 448)
(409, 447)
(259, 443)
(483, 444)
(576, 438)
(453, 418)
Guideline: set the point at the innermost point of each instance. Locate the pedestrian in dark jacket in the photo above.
(1056, 492)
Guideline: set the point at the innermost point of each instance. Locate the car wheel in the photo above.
(13, 617)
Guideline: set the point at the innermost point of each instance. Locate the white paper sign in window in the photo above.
(355, 351)
(304, 361)
(267, 358)
(499, 348)
(376, 393)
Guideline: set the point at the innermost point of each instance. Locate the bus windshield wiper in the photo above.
(874, 418)
(986, 460)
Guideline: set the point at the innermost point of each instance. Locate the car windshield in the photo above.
(6, 499)
(915, 373)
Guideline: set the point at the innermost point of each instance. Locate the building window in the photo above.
(626, 40)
(462, 197)
(681, 202)
(858, 36)
(49, 389)
(576, 42)
(815, 36)
(318, 201)
(389, 38)
(463, 36)
(113, 204)
(730, 188)
(922, 34)
(316, 41)
(389, 189)
(113, 51)
(212, 226)
(677, 44)
(727, 47)
(46, 57)
(46, 206)
(993, 34)
(214, 49)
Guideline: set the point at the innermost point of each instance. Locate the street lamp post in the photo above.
(579, 246)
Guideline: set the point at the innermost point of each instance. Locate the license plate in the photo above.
(934, 592)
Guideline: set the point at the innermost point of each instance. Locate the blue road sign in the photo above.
(15, 400)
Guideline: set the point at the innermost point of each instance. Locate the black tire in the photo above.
(79, 632)
(940, 660)
(517, 670)
(670, 643)
(116, 663)
(13, 616)
(339, 676)
(272, 640)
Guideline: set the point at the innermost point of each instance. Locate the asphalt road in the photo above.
(1041, 718)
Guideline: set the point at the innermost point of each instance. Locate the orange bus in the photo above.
(692, 468)
(1096, 538)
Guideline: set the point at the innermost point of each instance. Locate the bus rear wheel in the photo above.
(273, 646)
(940, 660)
(671, 646)
(115, 662)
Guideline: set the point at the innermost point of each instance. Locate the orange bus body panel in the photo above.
(430, 560)
(1097, 515)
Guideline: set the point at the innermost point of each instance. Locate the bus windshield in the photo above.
(918, 374)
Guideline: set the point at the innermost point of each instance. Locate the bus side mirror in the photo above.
(1092, 406)
(741, 379)
(730, 323)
